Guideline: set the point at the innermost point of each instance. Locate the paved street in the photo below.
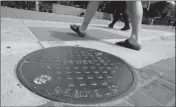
(24, 31)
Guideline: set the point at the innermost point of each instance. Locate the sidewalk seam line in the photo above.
(151, 98)
(160, 72)
(147, 82)
(32, 34)
(168, 75)
(166, 81)
(162, 86)
(155, 78)
(129, 103)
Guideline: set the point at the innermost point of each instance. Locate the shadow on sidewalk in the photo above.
(57, 34)
(74, 37)
(65, 34)
(105, 27)
(68, 36)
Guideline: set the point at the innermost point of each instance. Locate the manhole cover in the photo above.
(76, 75)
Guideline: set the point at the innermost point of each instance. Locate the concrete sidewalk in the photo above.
(156, 60)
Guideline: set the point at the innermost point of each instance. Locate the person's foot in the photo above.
(125, 28)
(127, 44)
(110, 25)
(76, 29)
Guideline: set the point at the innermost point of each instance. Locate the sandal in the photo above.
(76, 29)
(129, 45)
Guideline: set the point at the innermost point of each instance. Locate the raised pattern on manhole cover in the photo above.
(76, 74)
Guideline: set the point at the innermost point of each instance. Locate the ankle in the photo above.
(82, 30)
(134, 39)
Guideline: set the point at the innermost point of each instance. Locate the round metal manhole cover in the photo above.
(76, 75)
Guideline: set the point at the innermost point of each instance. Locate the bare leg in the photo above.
(91, 10)
(136, 12)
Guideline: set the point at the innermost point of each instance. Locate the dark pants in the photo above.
(174, 23)
(120, 7)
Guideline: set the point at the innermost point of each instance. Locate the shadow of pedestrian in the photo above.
(68, 36)
(105, 27)
(65, 34)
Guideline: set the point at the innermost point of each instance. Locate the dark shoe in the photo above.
(76, 29)
(111, 25)
(125, 28)
(126, 44)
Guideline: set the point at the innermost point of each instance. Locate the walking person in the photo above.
(120, 7)
(135, 11)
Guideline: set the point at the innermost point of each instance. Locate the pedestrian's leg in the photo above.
(90, 11)
(126, 20)
(174, 24)
(116, 17)
(136, 12)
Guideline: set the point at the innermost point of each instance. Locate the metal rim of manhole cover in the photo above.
(76, 75)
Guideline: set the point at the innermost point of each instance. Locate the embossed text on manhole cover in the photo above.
(76, 75)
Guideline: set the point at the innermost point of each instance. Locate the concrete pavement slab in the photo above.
(15, 48)
(155, 91)
(160, 70)
(140, 99)
(170, 88)
(164, 42)
(15, 30)
(165, 64)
